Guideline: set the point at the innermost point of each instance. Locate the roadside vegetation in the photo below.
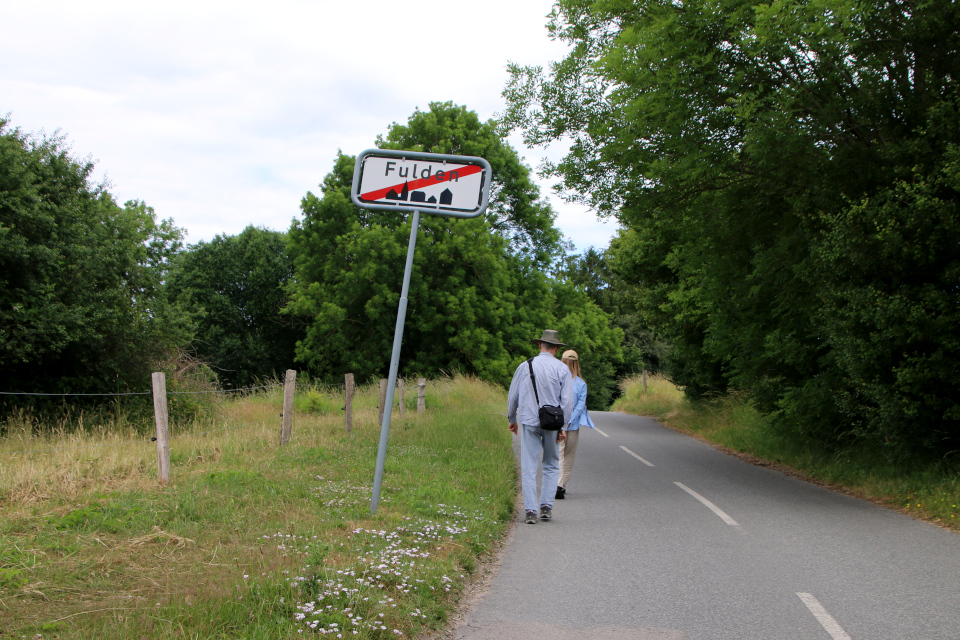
(250, 539)
(789, 205)
(923, 489)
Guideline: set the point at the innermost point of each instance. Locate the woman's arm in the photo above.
(579, 401)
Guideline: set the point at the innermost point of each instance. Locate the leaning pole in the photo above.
(414, 182)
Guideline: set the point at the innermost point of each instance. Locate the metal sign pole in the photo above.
(394, 363)
(412, 181)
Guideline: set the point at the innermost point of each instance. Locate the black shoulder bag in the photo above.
(551, 418)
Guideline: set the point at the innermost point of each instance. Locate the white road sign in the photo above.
(432, 183)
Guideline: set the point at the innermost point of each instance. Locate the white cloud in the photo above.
(224, 114)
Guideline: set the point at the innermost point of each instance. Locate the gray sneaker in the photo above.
(546, 513)
(531, 517)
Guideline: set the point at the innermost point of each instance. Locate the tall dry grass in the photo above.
(659, 399)
(924, 489)
(40, 462)
(249, 533)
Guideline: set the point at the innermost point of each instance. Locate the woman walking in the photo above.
(579, 418)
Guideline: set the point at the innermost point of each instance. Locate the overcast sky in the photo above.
(224, 114)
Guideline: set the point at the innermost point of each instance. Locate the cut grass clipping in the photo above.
(250, 539)
(929, 491)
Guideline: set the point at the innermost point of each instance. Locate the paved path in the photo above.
(662, 537)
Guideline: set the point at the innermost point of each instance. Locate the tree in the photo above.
(516, 211)
(595, 274)
(890, 273)
(349, 271)
(745, 146)
(478, 294)
(589, 331)
(82, 308)
(234, 288)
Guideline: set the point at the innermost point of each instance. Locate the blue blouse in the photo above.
(580, 417)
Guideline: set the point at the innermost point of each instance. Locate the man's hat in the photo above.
(550, 337)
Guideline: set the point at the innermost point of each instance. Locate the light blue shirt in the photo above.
(554, 387)
(580, 417)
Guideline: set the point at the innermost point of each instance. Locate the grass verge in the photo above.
(251, 540)
(930, 492)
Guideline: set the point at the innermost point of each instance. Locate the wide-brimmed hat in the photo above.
(550, 337)
(569, 354)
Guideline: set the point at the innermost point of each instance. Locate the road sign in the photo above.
(439, 184)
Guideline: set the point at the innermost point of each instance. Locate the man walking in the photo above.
(553, 388)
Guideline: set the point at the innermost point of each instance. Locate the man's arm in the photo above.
(566, 394)
(513, 398)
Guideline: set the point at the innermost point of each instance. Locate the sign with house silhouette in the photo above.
(431, 183)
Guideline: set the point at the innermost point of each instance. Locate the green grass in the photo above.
(250, 539)
(930, 491)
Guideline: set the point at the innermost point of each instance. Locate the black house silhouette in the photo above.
(392, 195)
(446, 196)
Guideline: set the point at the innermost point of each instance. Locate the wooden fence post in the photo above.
(421, 394)
(289, 384)
(348, 402)
(383, 399)
(644, 381)
(400, 402)
(160, 418)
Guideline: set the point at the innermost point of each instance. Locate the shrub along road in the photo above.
(663, 537)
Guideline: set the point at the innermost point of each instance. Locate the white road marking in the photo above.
(649, 464)
(709, 505)
(601, 432)
(825, 619)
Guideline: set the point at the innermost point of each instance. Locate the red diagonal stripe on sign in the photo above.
(413, 185)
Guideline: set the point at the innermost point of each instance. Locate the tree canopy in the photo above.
(234, 288)
(787, 177)
(478, 294)
(82, 306)
(516, 211)
(95, 296)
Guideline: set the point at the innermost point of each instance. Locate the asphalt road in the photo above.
(662, 537)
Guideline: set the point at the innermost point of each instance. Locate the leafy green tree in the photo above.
(516, 211)
(234, 288)
(82, 307)
(590, 331)
(349, 271)
(746, 147)
(890, 270)
(478, 291)
(596, 275)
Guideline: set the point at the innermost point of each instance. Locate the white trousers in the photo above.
(568, 451)
(534, 441)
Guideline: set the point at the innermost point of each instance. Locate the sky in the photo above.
(224, 114)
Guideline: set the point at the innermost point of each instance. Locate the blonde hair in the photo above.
(574, 366)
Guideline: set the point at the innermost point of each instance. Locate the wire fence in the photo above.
(151, 439)
(268, 386)
(30, 393)
(311, 385)
(140, 393)
(299, 385)
(145, 440)
(160, 394)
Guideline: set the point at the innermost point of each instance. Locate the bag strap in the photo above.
(534, 379)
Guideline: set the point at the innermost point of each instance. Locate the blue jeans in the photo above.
(533, 441)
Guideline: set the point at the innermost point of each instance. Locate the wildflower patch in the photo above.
(360, 599)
